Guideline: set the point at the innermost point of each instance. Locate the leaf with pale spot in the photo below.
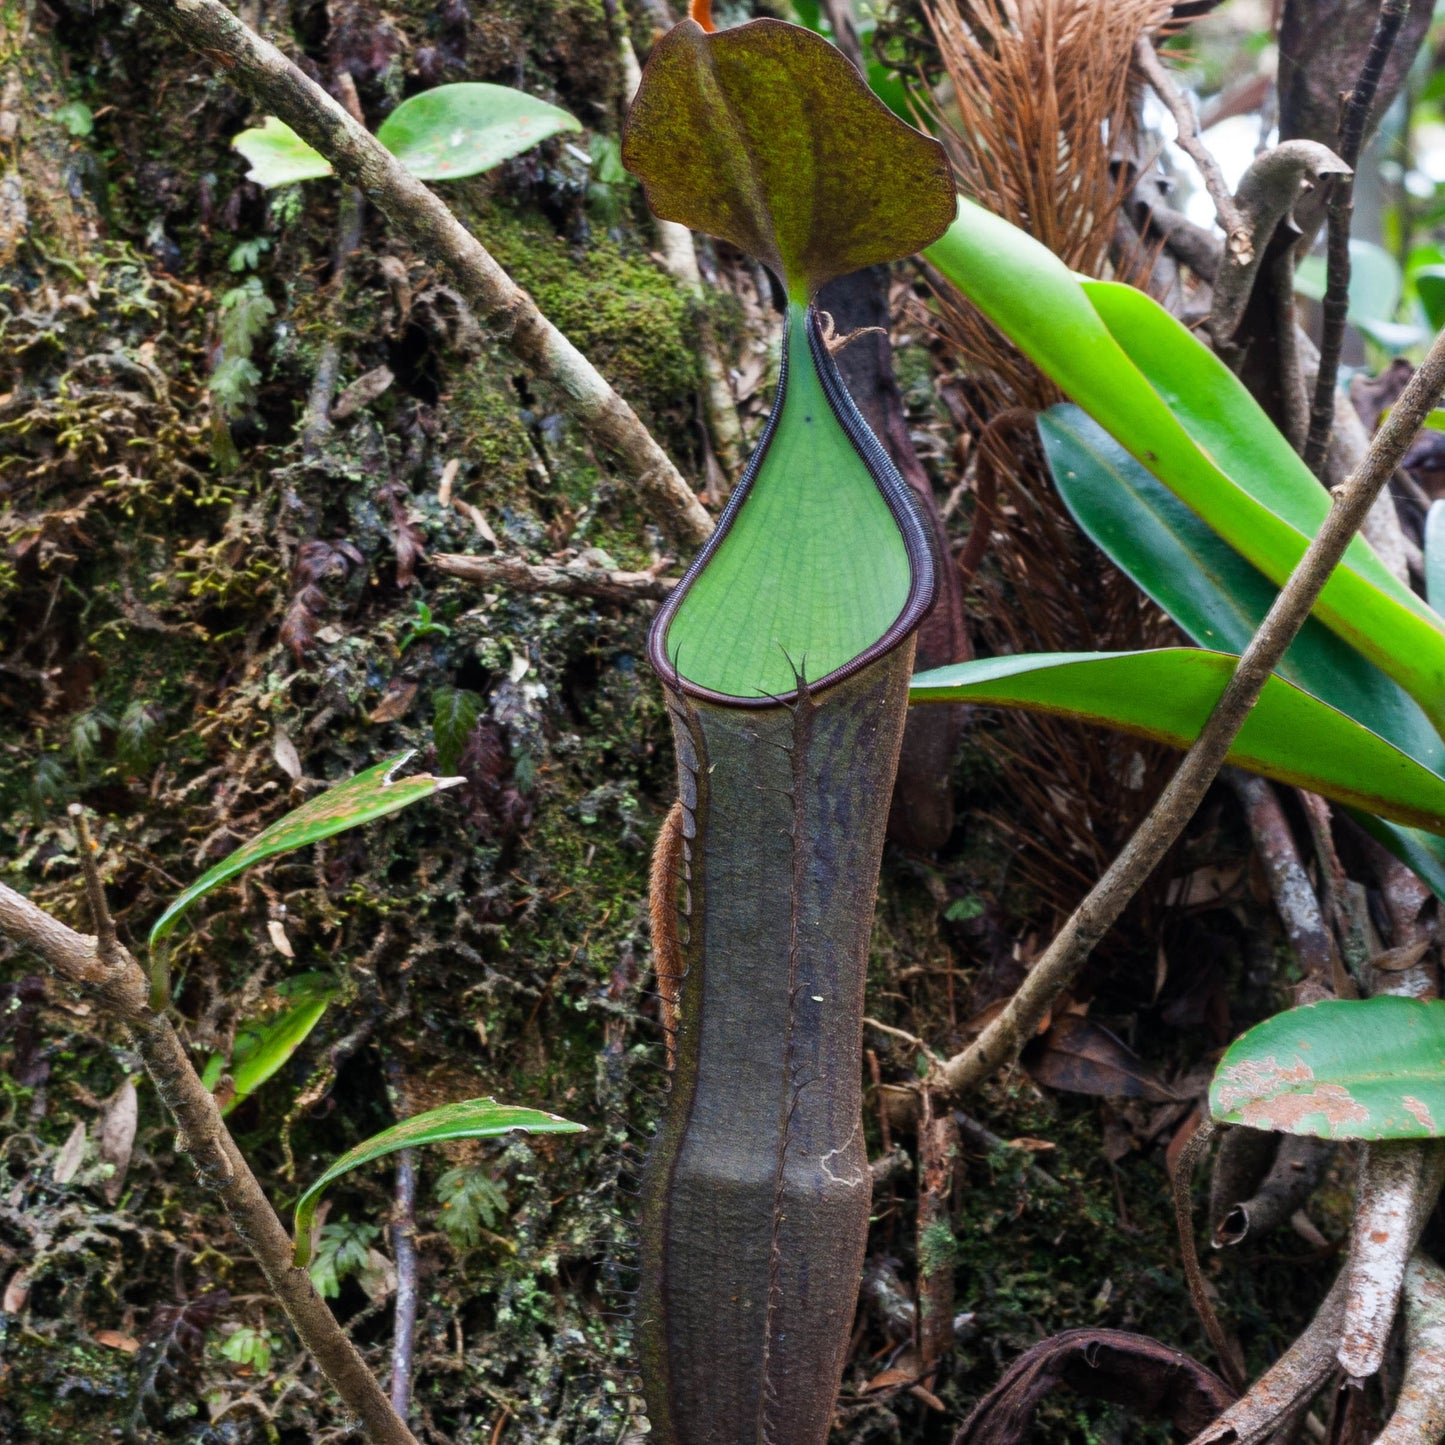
(1340, 1069)
(362, 799)
(469, 1119)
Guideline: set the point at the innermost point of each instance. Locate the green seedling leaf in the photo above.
(1168, 694)
(444, 134)
(469, 1119)
(263, 1046)
(767, 136)
(278, 156)
(1220, 600)
(362, 799)
(1129, 364)
(813, 562)
(455, 131)
(1341, 1069)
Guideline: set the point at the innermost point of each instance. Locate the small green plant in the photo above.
(471, 1201)
(423, 627)
(444, 134)
(250, 1347)
(342, 1249)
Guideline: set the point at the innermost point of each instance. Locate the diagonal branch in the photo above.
(117, 986)
(1063, 958)
(1336, 304)
(1237, 237)
(509, 313)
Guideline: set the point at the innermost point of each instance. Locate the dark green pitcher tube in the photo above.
(757, 1191)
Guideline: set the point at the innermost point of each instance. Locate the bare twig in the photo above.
(1336, 304)
(1289, 885)
(106, 943)
(507, 311)
(1238, 238)
(1293, 1380)
(120, 991)
(519, 576)
(1231, 1363)
(403, 1244)
(1055, 970)
(1419, 1417)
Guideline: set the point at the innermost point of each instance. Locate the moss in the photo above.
(630, 318)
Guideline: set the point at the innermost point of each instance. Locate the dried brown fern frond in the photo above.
(1040, 111)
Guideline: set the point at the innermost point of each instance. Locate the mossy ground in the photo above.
(491, 942)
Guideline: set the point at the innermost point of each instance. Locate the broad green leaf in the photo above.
(1435, 553)
(362, 799)
(767, 136)
(454, 131)
(1340, 1069)
(278, 156)
(819, 557)
(263, 1045)
(469, 1119)
(1168, 694)
(1375, 281)
(1220, 600)
(1096, 340)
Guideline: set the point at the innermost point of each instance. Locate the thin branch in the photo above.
(120, 990)
(1336, 304)
(508, 312)
(1236, 232)
(107, 945)
(403, 1244)
(1056, 969)
(1226, 1350)
(519, 576)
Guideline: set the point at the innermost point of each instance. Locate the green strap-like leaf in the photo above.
(767, 136)
(1033, 298)
(262, 1046)
(810, 567)
(362, 799)
(1168, 695)
(1340, 1069)
(469, 1119)
(1217, 597)
(443, 134)
(1220, 600)
(454, 131)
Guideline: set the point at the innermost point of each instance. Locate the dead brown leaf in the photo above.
(395, 702)
(116, 1136)
(1079, 1056)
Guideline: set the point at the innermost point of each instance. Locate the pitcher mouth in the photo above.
(903, 506)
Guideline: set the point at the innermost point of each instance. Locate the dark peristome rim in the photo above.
(905, 508)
